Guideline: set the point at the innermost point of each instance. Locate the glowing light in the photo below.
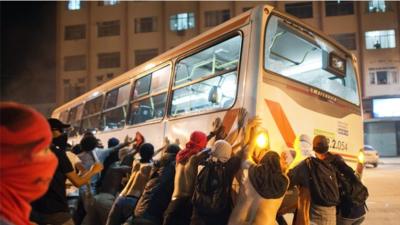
(361, 157)
(262, 140)
(149, 66)
(96, 93)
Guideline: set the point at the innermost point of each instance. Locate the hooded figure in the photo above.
(26, 164)
(124, 205)
(158, 191)
(261, 192)
(180, 208)
(223, 163)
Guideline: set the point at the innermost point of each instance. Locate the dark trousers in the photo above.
(179, 212)
(121, 210)
(59, 218)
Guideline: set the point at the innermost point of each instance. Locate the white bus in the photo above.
(296, 79)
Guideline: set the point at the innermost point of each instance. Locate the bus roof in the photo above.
(197, 41)
(191, 44)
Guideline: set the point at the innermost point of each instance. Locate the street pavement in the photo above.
(383, 185)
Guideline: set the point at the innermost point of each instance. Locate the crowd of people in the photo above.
(217, 178)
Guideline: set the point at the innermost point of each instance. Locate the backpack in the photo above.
(212, 190)
(352, 191)
(324, 187)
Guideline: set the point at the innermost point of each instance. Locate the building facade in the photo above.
(97, 41)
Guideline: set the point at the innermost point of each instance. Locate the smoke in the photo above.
(28, 69)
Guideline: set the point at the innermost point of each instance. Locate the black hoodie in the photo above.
(158, 191)
(267, 177)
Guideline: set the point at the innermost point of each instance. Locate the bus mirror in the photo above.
(213, 95)
(334, 63)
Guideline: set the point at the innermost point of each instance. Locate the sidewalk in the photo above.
(389, 160)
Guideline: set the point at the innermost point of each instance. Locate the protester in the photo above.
(262, 184)
(110, 159)
(26, 164)
(124, 205)
(101, 204)
(179, 210)
(92, 153)
(137, 142)
(312, 207)
(212, 202)
(158, 191)
(302, 149)
(52, 208)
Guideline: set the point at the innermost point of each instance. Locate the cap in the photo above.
(56, 124)
(320, 144)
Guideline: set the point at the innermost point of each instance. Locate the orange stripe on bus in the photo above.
(282, 122)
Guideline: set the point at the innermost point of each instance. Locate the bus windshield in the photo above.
(302, 56)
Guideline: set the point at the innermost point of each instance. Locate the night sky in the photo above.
(28, 35)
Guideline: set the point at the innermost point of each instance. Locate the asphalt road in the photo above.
(383, 185)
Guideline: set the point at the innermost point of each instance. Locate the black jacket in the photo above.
(158, 190)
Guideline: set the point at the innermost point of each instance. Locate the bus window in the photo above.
(91, 115)
(63, 116)
(115, 108)
(151, 104)
(215, 69)
(302, 56)
(142, 87)
(74, 119)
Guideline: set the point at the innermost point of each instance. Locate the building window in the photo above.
(75, 32)
(143, 55)
(213, 18)
(339, 8)
(145, 24)
(181, 21)
(300, 9)
(75, 63)
(383, 76)
(108, 60)
(74, 5)
(108, 3)
(380, 39)
(99, 78)
(108, 28)
(110, 76)
(348, 40)
(371, 78)
(376, 6)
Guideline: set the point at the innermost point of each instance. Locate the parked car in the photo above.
(371, 155)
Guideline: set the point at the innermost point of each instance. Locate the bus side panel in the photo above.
(286, 119)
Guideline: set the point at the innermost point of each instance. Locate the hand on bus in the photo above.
(166, 141)
(251, 124)
(97, 167)
(241, 117)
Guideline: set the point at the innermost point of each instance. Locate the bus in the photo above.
(295, 78)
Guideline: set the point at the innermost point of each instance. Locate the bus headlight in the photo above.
(262, 140)
(361, 157)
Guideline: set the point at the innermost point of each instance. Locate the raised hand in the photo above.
(97, 167)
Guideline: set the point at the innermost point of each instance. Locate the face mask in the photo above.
(61, 141)
(23, 181)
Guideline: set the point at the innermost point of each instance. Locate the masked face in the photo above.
(61, 141)
(28, 178)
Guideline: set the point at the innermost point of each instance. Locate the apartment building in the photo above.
(97, 41)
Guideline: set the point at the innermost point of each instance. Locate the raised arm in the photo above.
(78, 181)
